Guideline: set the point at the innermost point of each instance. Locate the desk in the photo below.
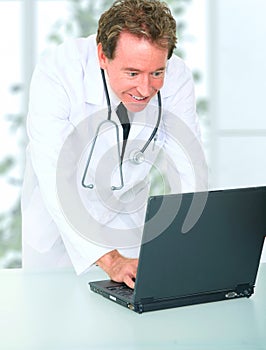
(56, 310)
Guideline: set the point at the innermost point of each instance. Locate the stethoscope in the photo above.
(136, 156)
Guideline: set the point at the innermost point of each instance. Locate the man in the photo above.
(134, 50)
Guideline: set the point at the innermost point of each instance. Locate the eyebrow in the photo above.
(131, 69)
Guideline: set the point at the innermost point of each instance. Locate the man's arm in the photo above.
(181, 123)
(119, 268)
(48, 127)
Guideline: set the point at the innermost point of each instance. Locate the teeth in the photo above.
(138, 98)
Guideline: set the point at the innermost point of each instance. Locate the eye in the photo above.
(132, 74)
(158, 74)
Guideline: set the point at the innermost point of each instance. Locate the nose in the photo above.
(145, 87)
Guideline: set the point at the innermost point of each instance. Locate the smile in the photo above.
(137, 98)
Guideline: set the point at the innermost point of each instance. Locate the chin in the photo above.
(135, 106)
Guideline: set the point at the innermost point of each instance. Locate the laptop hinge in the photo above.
(242, 290)
(245, 290)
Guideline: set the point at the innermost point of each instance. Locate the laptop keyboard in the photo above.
(122, 290)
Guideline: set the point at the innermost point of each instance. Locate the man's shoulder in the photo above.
(79, 48)
(177, 67)
(177, 75)
(73, 51)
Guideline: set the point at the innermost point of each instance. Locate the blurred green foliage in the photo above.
(10, 220)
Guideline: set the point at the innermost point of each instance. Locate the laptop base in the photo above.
(149, 304)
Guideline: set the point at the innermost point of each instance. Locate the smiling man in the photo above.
(129, 61)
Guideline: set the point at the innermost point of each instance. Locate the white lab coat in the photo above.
(66, 101)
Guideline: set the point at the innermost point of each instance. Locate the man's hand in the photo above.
(119, 268)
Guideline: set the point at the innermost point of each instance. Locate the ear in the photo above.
(101, 56)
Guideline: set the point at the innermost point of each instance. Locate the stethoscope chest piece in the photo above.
(136, 157)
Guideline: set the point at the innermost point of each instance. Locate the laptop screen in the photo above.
(220, 251)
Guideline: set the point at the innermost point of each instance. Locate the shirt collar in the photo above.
(115, 101)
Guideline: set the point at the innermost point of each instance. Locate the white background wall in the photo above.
(237, 92)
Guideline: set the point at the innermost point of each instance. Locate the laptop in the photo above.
(215, 258)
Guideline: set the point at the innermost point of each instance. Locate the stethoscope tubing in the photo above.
(138, 153)
(110, 111)
(91, 186)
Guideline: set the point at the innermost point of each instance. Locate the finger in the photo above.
(129, 282)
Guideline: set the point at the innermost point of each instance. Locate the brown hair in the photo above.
(151, 19)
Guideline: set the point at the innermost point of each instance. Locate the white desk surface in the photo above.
(56, 310)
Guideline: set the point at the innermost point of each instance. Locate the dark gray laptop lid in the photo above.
(221, 251)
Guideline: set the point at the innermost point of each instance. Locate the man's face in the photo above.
(136, 72)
